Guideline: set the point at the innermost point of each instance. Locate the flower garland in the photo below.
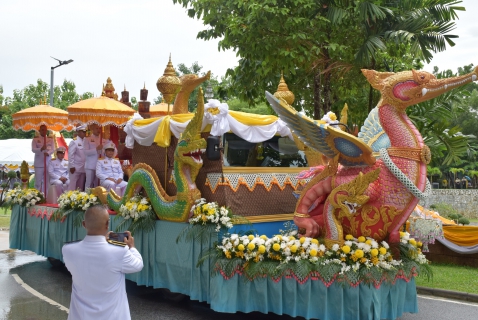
(139, 211)
(26, 197)
(359, 259)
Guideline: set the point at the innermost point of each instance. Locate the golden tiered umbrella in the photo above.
(32, 118)
(159, 110)
(102, 111)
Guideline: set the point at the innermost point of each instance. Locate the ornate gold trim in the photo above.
(271, 217)
(263, 170)
(301, 215)
(417, 154)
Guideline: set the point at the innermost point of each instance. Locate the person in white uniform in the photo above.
(93, 150)
(58, 170)
(42, 147)
(98, 269)
(76, 160)
(109, 171)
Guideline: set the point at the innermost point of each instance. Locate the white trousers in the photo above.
(77, 181)
(91, 179)
(64, 186)
(39, 177)
(117, 187)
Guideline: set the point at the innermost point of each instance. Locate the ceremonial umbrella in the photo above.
(33, 118)
(102, 111)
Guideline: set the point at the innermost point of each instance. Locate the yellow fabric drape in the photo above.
(144, 122)
(250, 119)
(461, 235)
(163, 135)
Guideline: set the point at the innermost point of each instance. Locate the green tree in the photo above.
(195, 68)
(64, 96)
(436, 120)
(321, 45)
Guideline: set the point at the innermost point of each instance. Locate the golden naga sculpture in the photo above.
(372, 182)
(24, 174)
(189, 82)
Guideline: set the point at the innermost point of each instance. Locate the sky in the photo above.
(130, 42)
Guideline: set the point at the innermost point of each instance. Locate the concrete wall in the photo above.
(460, 199)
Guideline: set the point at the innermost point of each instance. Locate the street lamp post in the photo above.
(60, 63)
(208, 94)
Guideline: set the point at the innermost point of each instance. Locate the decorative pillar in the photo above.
(143, 104)
(125, 97)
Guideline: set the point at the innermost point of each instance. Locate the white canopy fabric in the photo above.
(14, 151)
(217, 115)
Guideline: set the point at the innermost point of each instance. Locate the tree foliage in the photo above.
(64, 95)
(321, 45)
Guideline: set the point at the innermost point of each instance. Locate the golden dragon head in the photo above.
(404, 89)
(188, 150)
(350, 197)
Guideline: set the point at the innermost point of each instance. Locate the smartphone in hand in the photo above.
(118, 236)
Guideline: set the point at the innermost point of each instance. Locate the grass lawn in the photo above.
(5, 217)
(452, 277)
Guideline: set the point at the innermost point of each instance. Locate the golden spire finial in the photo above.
(169, 71)
(169, 84)
(125, 87)
(283, 91)
(144, 86)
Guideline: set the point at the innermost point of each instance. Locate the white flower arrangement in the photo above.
(76, 200)
(330, 118)
(135, 208)
(26, 198)
(211, 213)
(139, 212)
(355, 258)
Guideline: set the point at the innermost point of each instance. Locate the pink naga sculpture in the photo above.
(371, 183)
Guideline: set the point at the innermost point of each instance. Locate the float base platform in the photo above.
(172, 265)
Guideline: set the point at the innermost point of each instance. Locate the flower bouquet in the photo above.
(74, 201)
(138, 210)
(26, 198)
(207, 217)
(358, 260)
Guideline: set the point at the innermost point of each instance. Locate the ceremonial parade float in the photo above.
(258, 213)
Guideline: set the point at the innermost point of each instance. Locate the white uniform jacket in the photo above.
(98, 270)
(76, 155)
(37, 144)
(108, 168)
(57, 169)
(91, 153)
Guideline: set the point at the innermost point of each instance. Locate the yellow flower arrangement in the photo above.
(211, 213)
(358, 256)
(26, 198)
(139, 212)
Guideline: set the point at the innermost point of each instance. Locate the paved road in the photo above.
(32, 289)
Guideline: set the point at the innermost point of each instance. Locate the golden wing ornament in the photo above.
(323, 137)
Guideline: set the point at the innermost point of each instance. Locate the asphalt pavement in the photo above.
(33, 289)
